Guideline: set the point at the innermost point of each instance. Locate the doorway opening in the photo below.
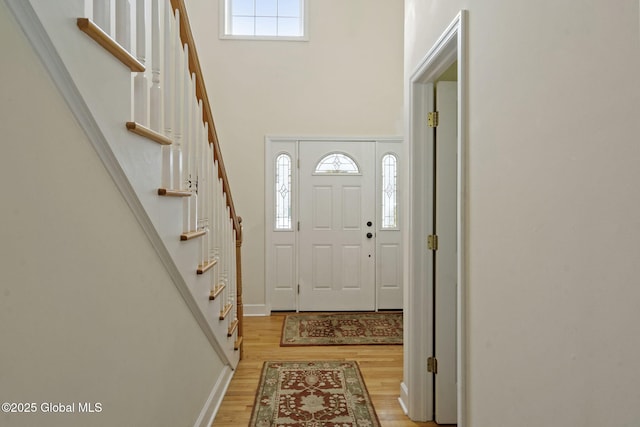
(333, 225)
(429, 318)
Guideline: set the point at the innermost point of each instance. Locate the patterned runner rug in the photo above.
(312, 394)
(342, 329)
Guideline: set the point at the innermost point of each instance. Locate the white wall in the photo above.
(87, 311)
(554, 207)
(345, 81)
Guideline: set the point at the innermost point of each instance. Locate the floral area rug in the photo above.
(312, 394)
(342, 329)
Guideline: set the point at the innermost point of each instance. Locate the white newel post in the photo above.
(141, 88)
(102, 14)
(123, 24)
(155, 95)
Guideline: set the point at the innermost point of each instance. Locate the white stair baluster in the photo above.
(232, 285)
(187, 143)
(223, 236)
(156, 108)
(235, 279)
(123, 24)
(226, 250)
(207, 193)
(140, 83)
(168, 94)
(227, 255)
(196, 134)
(178, 107)
(223, 253)
(102, 15)
(191, 132)
(213, 218)
(219, 231)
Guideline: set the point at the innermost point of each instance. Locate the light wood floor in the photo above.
(381, 367)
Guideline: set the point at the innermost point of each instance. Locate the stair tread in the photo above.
(232, 328)
(216, 291)
(225, 311)
(192, 234)
(148, 133)
(203, 268)
(174, 193)
(237, 344)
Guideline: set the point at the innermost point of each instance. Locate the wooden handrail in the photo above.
(186, 36)
(207, 116)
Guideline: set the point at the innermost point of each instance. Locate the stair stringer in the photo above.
(97, 89)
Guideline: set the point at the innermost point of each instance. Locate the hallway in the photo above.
(381, 367)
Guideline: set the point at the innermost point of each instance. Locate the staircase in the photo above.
(130, 73)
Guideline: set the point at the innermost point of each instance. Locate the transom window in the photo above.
(267, 19)
(337, 163)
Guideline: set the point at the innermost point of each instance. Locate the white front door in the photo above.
(337, 229)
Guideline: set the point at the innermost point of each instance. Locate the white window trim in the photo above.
(223, 25)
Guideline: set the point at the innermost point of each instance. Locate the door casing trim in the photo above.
(417, 387)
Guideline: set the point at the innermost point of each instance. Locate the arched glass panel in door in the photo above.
(337, 163)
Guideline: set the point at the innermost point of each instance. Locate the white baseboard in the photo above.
(404, 398)
(256, 310)
(211, 406)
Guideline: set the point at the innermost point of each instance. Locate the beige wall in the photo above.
(554, 212)
(345, 81)
(87, 311)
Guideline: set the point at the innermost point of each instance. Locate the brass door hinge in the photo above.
(432, 242)
(432, 365)
(433, 118)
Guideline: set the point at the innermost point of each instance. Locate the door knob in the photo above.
(369, 235)
(369, 223)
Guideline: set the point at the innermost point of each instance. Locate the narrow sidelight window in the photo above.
(283, 192)
(389, 191)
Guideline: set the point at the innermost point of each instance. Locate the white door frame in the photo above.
(417, 387)
(281, 247)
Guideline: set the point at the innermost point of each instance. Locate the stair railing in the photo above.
(171, 107)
